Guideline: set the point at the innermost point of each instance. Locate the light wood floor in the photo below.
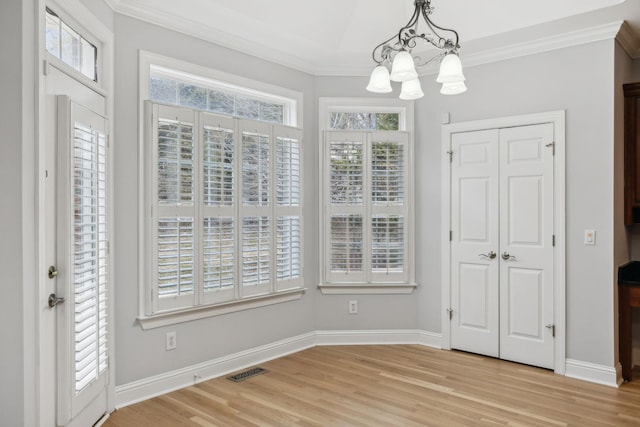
(397, 385)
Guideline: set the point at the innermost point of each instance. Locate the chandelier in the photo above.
(397, 53)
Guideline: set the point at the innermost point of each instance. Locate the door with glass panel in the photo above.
(81, 264)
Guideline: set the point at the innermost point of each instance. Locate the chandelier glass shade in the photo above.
(398, 53)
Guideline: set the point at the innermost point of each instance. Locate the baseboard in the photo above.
(157, 385)
(591, 372)
(378, 337)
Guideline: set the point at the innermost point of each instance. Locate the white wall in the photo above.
(580, 81)
(139, 353)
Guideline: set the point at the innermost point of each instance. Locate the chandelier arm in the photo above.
(408, 28)
(379, 53)
(432, 26)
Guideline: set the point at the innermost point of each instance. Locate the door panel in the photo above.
(82, 260)
(474, 277)
(526, 276)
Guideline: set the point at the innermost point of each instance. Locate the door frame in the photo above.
(557, 118)
(75, 12)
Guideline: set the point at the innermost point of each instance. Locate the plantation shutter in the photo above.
(388, 235)
(225, 208)
(256, 211)
(176, 227)
(345, 222)
(365, 200)
(90, 254)
(219, 208)
(288, 208)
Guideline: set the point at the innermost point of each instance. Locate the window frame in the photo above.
(103, 78)
(293, 115)
(363, 283)
(150, 315)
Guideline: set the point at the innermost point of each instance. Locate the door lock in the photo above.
(54, 300)
(53, 272)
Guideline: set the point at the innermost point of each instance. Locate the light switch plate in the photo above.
(590, 237)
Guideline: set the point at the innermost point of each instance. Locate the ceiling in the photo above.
(335, 37)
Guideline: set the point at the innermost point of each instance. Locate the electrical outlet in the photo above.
(353, 307)
(171, 342)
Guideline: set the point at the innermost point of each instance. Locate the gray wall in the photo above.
(11, 315)
(139, 353)
(580, 81)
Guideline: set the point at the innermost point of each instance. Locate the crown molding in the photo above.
(629, 41)
(558, 41)
(618, 30)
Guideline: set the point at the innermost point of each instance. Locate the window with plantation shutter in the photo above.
(367, 211)
(225, 215)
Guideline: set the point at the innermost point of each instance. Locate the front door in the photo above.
(75, 296)
(502, 243)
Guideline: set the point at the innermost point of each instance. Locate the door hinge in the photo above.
(553, 329)
(451, 235)
(450, 312)
(553, 148)
(450, 153)
(553, 240)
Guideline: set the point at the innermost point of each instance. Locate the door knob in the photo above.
(490, 255)
(506, 256)
(54, 300)
(52, 272)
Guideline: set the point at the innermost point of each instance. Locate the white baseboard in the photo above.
(157, 385)
(378, 337)
(591, 372)
(147, 388)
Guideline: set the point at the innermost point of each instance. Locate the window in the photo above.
(367, 181)
(69, 46)
(224, 218)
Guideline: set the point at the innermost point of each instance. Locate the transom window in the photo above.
(69, 46)
(181, 88)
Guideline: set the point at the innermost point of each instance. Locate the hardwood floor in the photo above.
(396, 385)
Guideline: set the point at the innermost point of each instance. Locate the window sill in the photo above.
(173, 317)
(367, 288)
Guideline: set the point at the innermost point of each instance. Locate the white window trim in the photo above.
(104, 50)
(405, 109)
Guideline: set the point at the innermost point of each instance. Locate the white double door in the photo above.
(502, 286)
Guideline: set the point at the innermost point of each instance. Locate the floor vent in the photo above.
(247, 374)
